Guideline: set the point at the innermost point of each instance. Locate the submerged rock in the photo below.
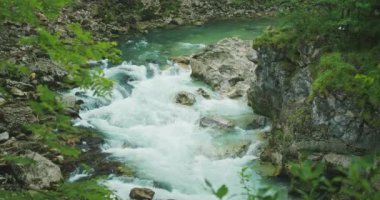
(40, 174)
(216, 122)
(185, 98)
(203, 93)
(225, 66)
(141, 194)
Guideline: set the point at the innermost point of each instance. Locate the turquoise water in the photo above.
(160, 45)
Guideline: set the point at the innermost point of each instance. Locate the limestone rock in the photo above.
(225, 66)
(4, 136)
(17, 92)
(337, 160)
(185, 98)
(217, 122)
(40, 174)
(141, 194)
(15, 116)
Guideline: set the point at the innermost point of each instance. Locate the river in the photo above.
(161, 140)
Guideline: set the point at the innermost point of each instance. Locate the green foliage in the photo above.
(47, 103)
(357, 182)
(12, 70)
(281, 37)
(334, 17)
(75, 52)
(19, 160)
(25, 11)
(334, 73)
(361, 178)
(221, 192)
(51, 137)
(81, 190)
(309, 181)
(52, 132)
(264, 192)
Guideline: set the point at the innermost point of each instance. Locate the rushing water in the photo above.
(161, 140)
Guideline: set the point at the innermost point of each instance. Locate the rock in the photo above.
(69, 101)
(17, 92)
(19, 85)
(185, 98)
(337, 160)
(2, 101)
(41, 174)
(178, 21)
(203, 93)
(4, 136)
(330, 123)
(48, 72)
(225, 67)
(15, 116)
(216, 122)
(182, 61)
(258, 123)
(141, 194)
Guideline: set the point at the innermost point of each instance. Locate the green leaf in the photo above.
(222, 191)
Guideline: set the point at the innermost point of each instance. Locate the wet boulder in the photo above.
(217, 122)
(41, 173)
(141, 194)
(185, 98)
(203, 93)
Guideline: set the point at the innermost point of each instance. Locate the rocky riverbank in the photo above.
(322, 127)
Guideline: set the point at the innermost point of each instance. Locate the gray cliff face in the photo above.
(321, 124)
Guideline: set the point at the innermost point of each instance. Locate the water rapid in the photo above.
(161, 140)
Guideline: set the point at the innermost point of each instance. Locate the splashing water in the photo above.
(161, 140)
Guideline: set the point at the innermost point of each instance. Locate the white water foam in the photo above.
(162, 140)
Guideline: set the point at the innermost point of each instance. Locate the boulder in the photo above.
(203, 93)
(258, 123)
(185, 98)
(2, 101)
(141, 194)
(225, 66)
(68, 101)
(15, 116)
(4, 136)
(17, 92)
(217, 122)
(337, 160)
(40, 174)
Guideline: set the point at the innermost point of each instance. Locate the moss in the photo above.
(282, 38)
